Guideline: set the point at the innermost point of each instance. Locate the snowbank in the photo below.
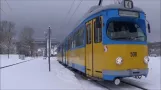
(5, 56)
(13, 58)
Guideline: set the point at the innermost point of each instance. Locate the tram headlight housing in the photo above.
(119, 60)
(146, 59)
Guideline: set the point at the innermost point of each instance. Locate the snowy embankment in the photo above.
(153, 80)
(34, 75)
(13, 58)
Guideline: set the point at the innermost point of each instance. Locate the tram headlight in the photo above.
(146, 59)
(119, 60)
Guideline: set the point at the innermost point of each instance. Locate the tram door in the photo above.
(93, 42)
(89, 49)
(98, 49)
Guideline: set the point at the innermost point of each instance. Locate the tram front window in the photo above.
(125, 31)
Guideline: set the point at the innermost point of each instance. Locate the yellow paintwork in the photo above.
(68, 56)
(76, 56)
(107, 60)
(114, 51)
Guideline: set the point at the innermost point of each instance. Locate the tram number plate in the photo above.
(134, 72)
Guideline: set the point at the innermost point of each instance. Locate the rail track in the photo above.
(142, 88)
(122, 86)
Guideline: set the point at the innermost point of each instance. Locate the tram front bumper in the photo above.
(111, 74)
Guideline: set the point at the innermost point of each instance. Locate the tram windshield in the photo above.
(118, 30)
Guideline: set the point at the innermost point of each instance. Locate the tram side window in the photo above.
(97, 33)
(73, 41)
(80, 37)
(66, 45)
(70, 42)
(63, 48)
(76, 38)
(88, 33)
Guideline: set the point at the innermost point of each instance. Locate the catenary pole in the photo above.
(49, 33)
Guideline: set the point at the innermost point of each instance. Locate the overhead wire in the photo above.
(3, 10)
(71, 6)
(8, 5)
(74, 11)
(67, 13)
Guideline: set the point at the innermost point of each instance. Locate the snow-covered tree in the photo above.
(7, 34)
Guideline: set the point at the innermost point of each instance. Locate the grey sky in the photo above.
(39, 14)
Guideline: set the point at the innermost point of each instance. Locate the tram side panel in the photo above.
(69, 58)
(78, 61)
(77, 52)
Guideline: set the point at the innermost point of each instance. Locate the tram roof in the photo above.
(96, 9)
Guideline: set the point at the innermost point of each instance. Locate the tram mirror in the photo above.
(149, 28)
(98, 22)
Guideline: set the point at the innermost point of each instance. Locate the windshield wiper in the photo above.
(136, 37)
(124, 38)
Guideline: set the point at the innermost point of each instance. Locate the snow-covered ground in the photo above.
(153, 81)
(13, 58)
(35, 75)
